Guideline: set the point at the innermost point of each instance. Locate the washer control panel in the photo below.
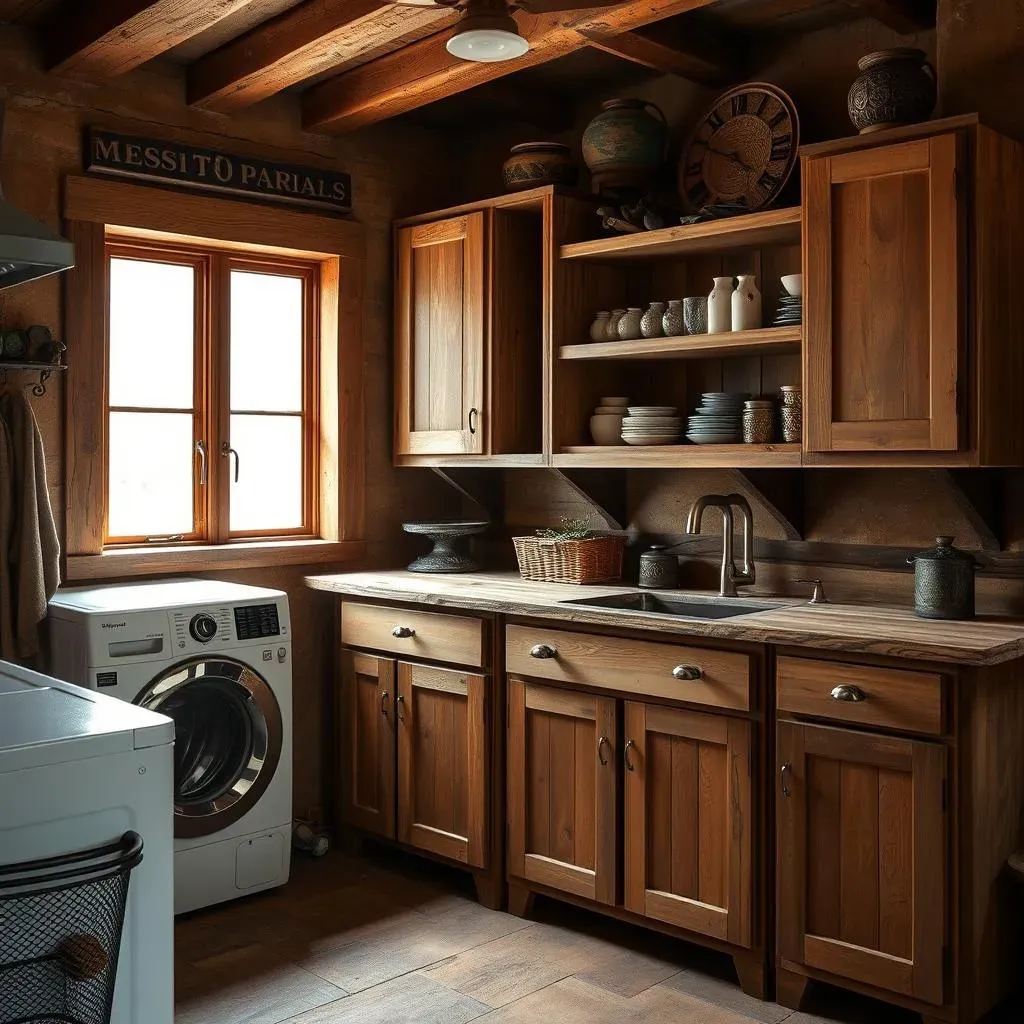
(195, 628)
(202, 627)
(257, 621)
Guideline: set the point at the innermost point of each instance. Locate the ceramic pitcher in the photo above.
(720, 306)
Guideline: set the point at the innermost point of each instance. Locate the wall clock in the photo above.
(743, 149)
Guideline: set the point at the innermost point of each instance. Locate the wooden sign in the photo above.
(164, 162)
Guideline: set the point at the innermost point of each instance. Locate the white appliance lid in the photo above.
(46, 721)
(153, 596)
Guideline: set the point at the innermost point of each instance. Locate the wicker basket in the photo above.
(594, 560)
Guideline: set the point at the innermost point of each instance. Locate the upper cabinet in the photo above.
(439, 331)
(912, 334)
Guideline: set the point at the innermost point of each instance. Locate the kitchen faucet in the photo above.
(725, 503)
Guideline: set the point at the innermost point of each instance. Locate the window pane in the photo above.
(152, 324)
(151, 475)
(266, 342)
(268, 495)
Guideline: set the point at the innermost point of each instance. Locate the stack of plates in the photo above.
(718, 419)
(790, 312)
(652, 424)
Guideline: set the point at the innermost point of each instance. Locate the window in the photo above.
(211, 395)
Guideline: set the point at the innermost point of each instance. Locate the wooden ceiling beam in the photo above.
(109, 37)
(425, 72)
(702, 59)
(903, 16)
(306, 41)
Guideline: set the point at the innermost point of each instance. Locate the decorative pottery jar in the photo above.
(673, 322)
(599, 328)
(720, 306)
(625, 144)
(695, 314)
(612, 330)
(652, 322)
(533, 164)
(629, 324)
(658, 569)
(894, 87)
(746, 304)
(943, 582)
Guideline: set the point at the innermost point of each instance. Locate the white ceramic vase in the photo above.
(746, 304)
(599, 328)
(720, 306)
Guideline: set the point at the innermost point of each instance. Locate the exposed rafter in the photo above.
(701, 59)
(903, 16)
(115, 36)
(304, 42)
(426, 72)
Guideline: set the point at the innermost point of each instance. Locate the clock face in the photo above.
(743, 151)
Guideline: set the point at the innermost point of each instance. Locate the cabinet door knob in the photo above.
(849, 694)
(384, 697)
(602, 742)
(787, 770)
(544, 651)
(403, 632)
(687, 672)
(630, 767)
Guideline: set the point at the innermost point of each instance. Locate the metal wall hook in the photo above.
(44, 371)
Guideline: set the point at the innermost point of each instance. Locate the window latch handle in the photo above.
(227, 451)
(201, 452)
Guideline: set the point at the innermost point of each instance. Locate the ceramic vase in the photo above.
(720, 306)
(651, 322)
(626, 143)
(612, 330)
(695, 314)
(894, 87)
(629, 324)
(746, 304)
(599, 328)
(672, 322)
(539, 163)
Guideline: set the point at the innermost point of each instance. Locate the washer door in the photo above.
(227, 745)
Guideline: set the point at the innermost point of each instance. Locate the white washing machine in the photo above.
(215, 657)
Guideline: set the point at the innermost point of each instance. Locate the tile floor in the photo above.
(389, 939)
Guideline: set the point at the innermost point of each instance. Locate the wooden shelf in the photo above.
(766, 341)
(683, 456)
(747, 231)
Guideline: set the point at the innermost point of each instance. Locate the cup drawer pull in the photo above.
(403, 632)
(544, 652)
(687, 673)
(849, 694)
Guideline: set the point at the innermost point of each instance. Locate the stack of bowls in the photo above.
(652, 424)
(718, 419)
(606, 423)
(791, 310)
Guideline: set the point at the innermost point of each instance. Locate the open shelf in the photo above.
(682, 456)
(746, 231)
(766, 341)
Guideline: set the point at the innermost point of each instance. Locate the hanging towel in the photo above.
(32, 551)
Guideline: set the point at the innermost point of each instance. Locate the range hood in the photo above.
(28, 249)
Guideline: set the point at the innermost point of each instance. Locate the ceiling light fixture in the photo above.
(487, 33)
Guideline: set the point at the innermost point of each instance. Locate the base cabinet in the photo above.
(862, 858)
(687, 820)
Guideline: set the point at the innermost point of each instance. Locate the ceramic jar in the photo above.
(695, 314)
(720, 306)
(599, 328)
(792, 413)
(758, 421)
(894, 87)
(651, 324)
(612, 330)
(746, 304)
(626, 143)
(943, 582)
(673, 323)
(533, 164)
(658, 569)
(629, 324)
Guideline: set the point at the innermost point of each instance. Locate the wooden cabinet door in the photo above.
(367, 742)
(562, 789)
(688, 825)
(439, 338)
(882, 302)
(443, 779)
(862, 853)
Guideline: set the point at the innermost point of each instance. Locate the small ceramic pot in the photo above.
(672, 322)
(792, 419)
(599, 328)
(625, 144)
(894, 87)
(533, 164)
(658, 569)
(695, 314)
(612, 332)
(606, 429)
(792, 395)
(758, 422)
(651, 323)
(629, 324)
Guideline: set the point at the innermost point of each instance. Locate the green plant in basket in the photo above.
(570, 529)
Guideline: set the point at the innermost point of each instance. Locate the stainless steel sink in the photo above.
(689, 608)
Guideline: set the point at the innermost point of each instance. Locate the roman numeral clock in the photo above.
(743, 149)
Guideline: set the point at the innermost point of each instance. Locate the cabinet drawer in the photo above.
(427, 635)
(890, 697)
(633, 666)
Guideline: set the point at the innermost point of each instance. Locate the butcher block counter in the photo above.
(883, 630)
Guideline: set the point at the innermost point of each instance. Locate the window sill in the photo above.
(152, 561)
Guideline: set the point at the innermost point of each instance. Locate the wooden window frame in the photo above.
(98, 212)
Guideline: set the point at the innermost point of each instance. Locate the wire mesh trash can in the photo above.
(60, 934)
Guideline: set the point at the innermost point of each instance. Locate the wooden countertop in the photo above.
(871, 629)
